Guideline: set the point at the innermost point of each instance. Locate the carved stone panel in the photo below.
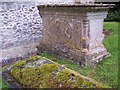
(58, 33)
(62, 37)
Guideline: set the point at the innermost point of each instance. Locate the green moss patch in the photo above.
(40, 72)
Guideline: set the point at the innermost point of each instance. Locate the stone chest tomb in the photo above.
(69, 29)
(74, 31)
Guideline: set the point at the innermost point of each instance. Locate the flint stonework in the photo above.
(20, 29)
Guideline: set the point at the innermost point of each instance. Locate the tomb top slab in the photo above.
(79, 5)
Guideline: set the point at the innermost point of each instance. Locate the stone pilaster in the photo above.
(85, 34)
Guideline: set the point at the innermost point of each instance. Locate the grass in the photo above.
(3, 85)
(105, 72)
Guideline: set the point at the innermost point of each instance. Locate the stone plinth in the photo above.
(74, 31)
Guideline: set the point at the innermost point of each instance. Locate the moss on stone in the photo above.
(34, 58)
(63, 75)
(16, 72)
(49, 68)
(20, 63)
(49, 76)
(5, 67)
(34, 77)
